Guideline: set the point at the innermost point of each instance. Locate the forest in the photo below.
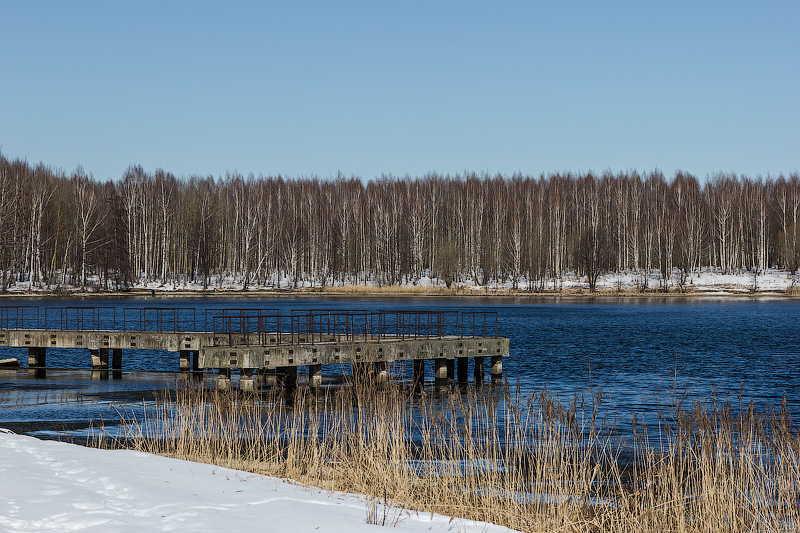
(63, 229)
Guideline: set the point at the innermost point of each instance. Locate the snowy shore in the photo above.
(55, 486)
(705, 282)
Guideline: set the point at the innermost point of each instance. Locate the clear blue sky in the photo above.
(313, 88)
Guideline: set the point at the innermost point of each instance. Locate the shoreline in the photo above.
(413, 292)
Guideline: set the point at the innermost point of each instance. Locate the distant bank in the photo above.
(775, 283)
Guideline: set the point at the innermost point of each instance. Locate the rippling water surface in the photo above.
(642, 353)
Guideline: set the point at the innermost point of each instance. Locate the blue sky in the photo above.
(370, 88)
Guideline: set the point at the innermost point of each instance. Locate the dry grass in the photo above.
(531, 464)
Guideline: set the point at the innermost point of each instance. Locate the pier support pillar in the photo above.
(116, 363)
(360, 372)
(224, 379)
(477, 372)
(196, 372)
(266, 376)
(37, 361)
(100, 359)
(116, 359)
(441, 369)
(497, 367)
(288, 376)
(418, 372)
(37, 357)
(381, 374)
(186, 360)
(451, 369)
(462, 369)
(246, 381)
(315, 376)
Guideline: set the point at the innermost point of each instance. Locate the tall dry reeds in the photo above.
(531, 463)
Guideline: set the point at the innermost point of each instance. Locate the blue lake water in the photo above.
(643, 353)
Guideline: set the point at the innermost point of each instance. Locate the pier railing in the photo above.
(322, 325)
(259, 326)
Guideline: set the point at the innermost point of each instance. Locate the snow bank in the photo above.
(705, 281)
(47, 485)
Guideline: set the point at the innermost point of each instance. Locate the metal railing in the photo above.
(80, 318)
(254, 326)
(323, 325)
(159, 319)
(94, 318)
(18, 316)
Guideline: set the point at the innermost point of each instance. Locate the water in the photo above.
(643, 354)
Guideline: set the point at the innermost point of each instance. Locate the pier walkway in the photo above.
(265, 345)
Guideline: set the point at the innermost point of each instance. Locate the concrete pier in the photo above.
(315, 376)
(37, 357)
(462, 369)
(186, 360)
(242, 340)
(287, 376)
(418, 373)
(246, 381)
(360, 371)
(224, 379)
(477, 372)
(497, 367)
(381, 373)
(267, 376)
(99, 359)
(189, 361)
(116, 359)
(440, 372)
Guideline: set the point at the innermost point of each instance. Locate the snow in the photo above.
(705, 281)
(56, 486)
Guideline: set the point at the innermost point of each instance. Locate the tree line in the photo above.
(67, 229)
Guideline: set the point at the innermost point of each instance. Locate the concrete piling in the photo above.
(381, 373)
(99, 359)
(224, 379)
(287, 376)
(116, 363)
(418, 372)
(315, 376)
(462, 368)
(497, 367)
(440, 373)
(246, 381)
(186, 360)
(37, 357)
(37, 360)
(477, 372)
(267, 376)
(116, 359)
(360, 371)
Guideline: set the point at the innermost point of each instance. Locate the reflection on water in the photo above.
(645, 355)
(67, 401)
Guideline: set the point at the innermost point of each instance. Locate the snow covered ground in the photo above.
(706, 281)
(55, 486)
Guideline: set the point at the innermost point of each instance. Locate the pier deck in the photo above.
(263, 341)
